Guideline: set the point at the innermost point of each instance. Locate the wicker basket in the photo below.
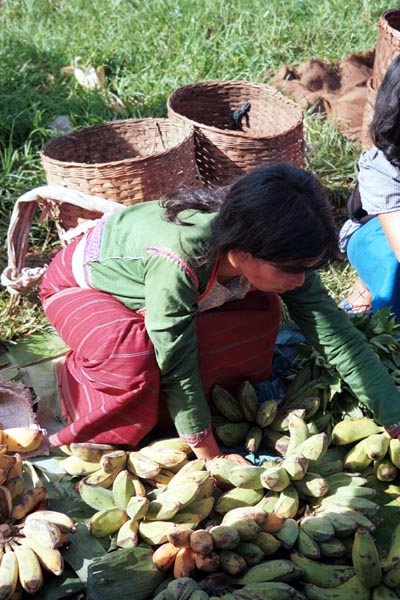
(271, 131)
(368, 114)
(388, 43)
(127, 161)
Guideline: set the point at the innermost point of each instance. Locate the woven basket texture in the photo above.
(271, 131)
(126, 161)
(388, 43)
(368, 114)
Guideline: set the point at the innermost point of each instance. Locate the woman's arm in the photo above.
(391, 226)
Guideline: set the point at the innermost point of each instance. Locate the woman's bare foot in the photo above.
(359, 300)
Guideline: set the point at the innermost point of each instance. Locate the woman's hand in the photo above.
(237, 458)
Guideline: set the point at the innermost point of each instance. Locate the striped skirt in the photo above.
(110, 384)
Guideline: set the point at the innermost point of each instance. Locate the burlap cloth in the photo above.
(337, 89)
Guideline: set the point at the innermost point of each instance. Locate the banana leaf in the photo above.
(388, 496)
(82, 551)
(64, 586)
(127, 573)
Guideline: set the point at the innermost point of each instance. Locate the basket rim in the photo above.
(233, 133)
(384, 23)
(46, 158)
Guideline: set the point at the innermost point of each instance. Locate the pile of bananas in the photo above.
(299, 522)
(30, 535)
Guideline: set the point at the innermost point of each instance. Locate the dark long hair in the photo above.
(385, 125)
(277, 213)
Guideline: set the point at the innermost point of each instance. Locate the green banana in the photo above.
(185, 492)
(96, 496)
(281, 421)
(112, 461)
(197, 464)
(365, 559)
(269, 501)
(267, 542)
(307, 546)
(353, 491)
(312, 484)
(123, 489)
(271, 570)
(319, 528)
(251, 553)
(350, 431)
(248, 402)
(246, 520)
(246, 476)
(225, 537)
(155, 533)
(393, 557)
(357, 458)
(351, 589)
(394, 452)
(231, 562)
(391, 578)
(382, 592)
(137, 507)
(275, 440)
(385, 470)
(360, 519)
(296, 466)
(288, 502)
(202, 507)
(273, 590)
(181, 588)
(360, 504)
(378, 445)
(275, 479)
(313, 447)
(288, 533)
(175, 443)
(237, 497)
(106, 522)
(333, 548)
(220, 470)
(343, 524)
(266, 413)
(154, 511)
(329, 468)
(167, 458)
(253, 439)
(227, 404)
(320, 574)
(298, 432)
(232, 434)
(342, 479)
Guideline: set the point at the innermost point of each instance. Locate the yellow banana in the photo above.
(50, 559)
(123, 489)
(90, 452)
(128, 534)
(175, 443)
(22, 439)
(8, 574)
(47, 532)
(201, 542)
(298, 432)
(385, 470)
(29, 569)
(7, 461)
(394, 452)
(378, 445)
(349, 431)
(366, 559)
(142, 466)
(64, 523)
(114, 461)
(77, 467)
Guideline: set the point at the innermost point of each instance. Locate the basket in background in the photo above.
(271, 130)
(126, 161)
(388, 43)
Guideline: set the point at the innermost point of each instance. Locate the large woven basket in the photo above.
(368, 114)
(388, 43)
(126, 161)
(271, 131)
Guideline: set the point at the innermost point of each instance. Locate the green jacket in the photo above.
(145, 262)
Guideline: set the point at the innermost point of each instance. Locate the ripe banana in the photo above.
(6, 502)
(29, 569)
(77, 467)
(114, 461)
(22, 439)
(8, 574)
(28, 502)
(50, 559)
(47, 532)
(89, 451)
(142, 466)
(63, 521)
(164, 556)
(350, 431)
(365, 559)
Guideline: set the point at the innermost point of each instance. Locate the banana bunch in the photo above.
(244, 418)
(369, 445)
(29, 547)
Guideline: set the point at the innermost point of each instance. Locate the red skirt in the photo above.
(110, 384)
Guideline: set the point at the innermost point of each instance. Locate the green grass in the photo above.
(148, 49)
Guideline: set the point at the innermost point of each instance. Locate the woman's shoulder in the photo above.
(375, 160)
